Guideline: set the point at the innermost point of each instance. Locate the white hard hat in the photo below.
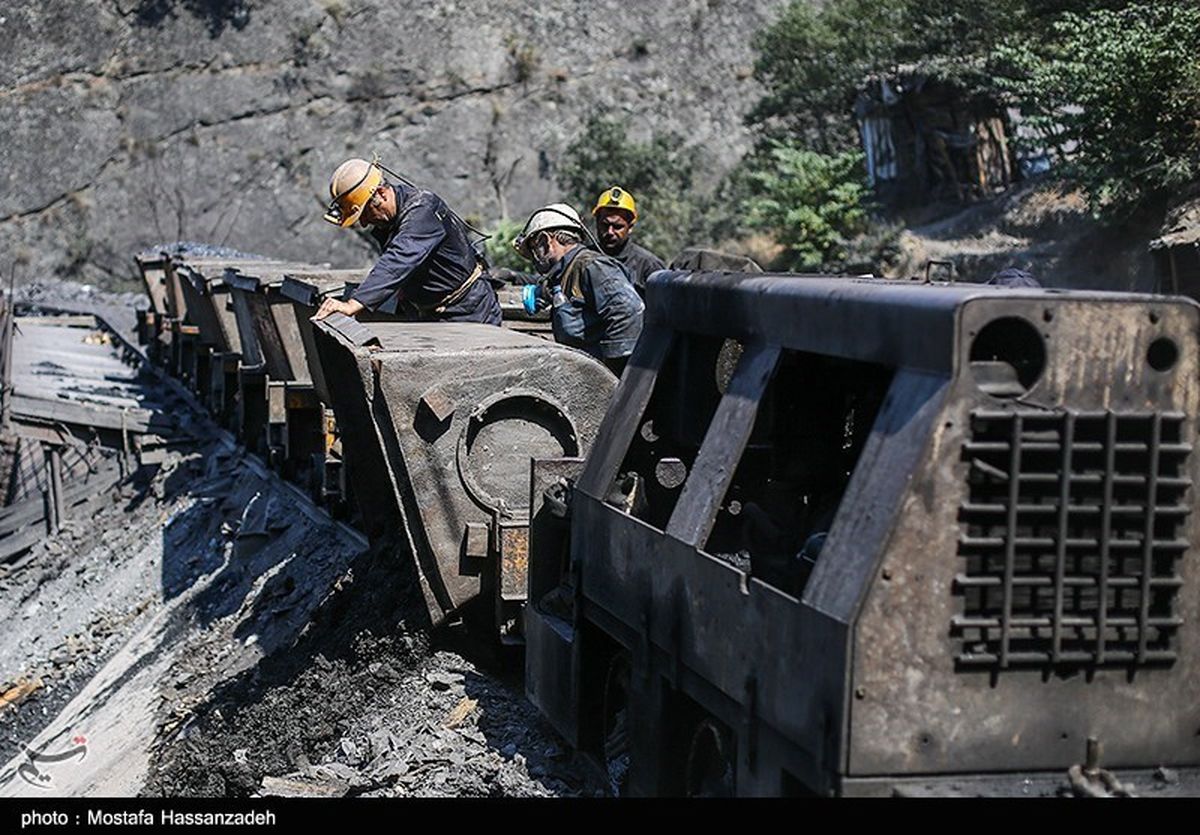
(554, 216)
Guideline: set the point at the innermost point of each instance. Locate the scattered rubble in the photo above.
(209, 632)
(19, 692)
(380, 715)
(468, 736)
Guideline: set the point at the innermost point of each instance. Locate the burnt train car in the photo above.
(439, 423)
(834, 536)
(846, 536)
(281, 407)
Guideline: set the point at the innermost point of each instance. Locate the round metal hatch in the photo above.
(500, 437)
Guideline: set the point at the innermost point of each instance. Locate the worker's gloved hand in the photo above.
(535, 297)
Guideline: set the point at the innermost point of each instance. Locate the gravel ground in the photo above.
(365, 703)
(66, 610)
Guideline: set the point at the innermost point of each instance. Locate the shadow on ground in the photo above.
(284, 711)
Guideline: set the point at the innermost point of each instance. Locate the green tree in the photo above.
(812, 203)
(672, 209)
(1123, 85)
(814, 58)
(1118, 80)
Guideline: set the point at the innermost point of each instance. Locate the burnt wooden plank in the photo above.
(19, 542)
(66, 320)
(65, 411)
(31, 510)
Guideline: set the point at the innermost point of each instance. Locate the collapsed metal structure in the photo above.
(827, 535)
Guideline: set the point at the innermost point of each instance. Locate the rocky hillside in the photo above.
(125, 123)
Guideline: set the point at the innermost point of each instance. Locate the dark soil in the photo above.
(367, 703)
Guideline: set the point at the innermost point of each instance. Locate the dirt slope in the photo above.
(1039, 226)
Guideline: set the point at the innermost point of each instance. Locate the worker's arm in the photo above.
(419, 231)
(619, 308)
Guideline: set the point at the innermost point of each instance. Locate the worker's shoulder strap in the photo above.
(572, 279)
(413, 199)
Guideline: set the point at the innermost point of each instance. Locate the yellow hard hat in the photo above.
(616, 198)
(351, 186)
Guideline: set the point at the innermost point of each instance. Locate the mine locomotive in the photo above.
(439, 422)
(862, 536)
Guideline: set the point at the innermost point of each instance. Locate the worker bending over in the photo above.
(427, 260)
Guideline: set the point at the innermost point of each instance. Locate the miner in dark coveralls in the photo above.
(616, 214)
(427, 262)
(594, 306)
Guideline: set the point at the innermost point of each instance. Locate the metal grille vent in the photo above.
(1070, 539)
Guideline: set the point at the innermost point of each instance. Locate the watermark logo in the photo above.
(38, 765)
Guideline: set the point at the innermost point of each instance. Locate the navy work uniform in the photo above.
(429, 263)
(594, 306)
(639, 262)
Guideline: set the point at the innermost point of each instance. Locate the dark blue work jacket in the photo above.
(595, 307)
(639, 262)
(426, 258)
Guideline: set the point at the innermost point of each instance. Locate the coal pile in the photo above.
(366, 703)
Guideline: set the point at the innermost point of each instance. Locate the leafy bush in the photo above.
(812, 203)
(1124, 84)
(672, 211)
(499, 246)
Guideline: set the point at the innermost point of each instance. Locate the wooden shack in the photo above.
(1176, 251)
(927, 140)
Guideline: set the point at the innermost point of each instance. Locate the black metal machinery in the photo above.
(832, 535)
(875, 537)
(217, 350)
(281, 407)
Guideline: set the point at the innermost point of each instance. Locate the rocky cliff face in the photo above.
(125, 123)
